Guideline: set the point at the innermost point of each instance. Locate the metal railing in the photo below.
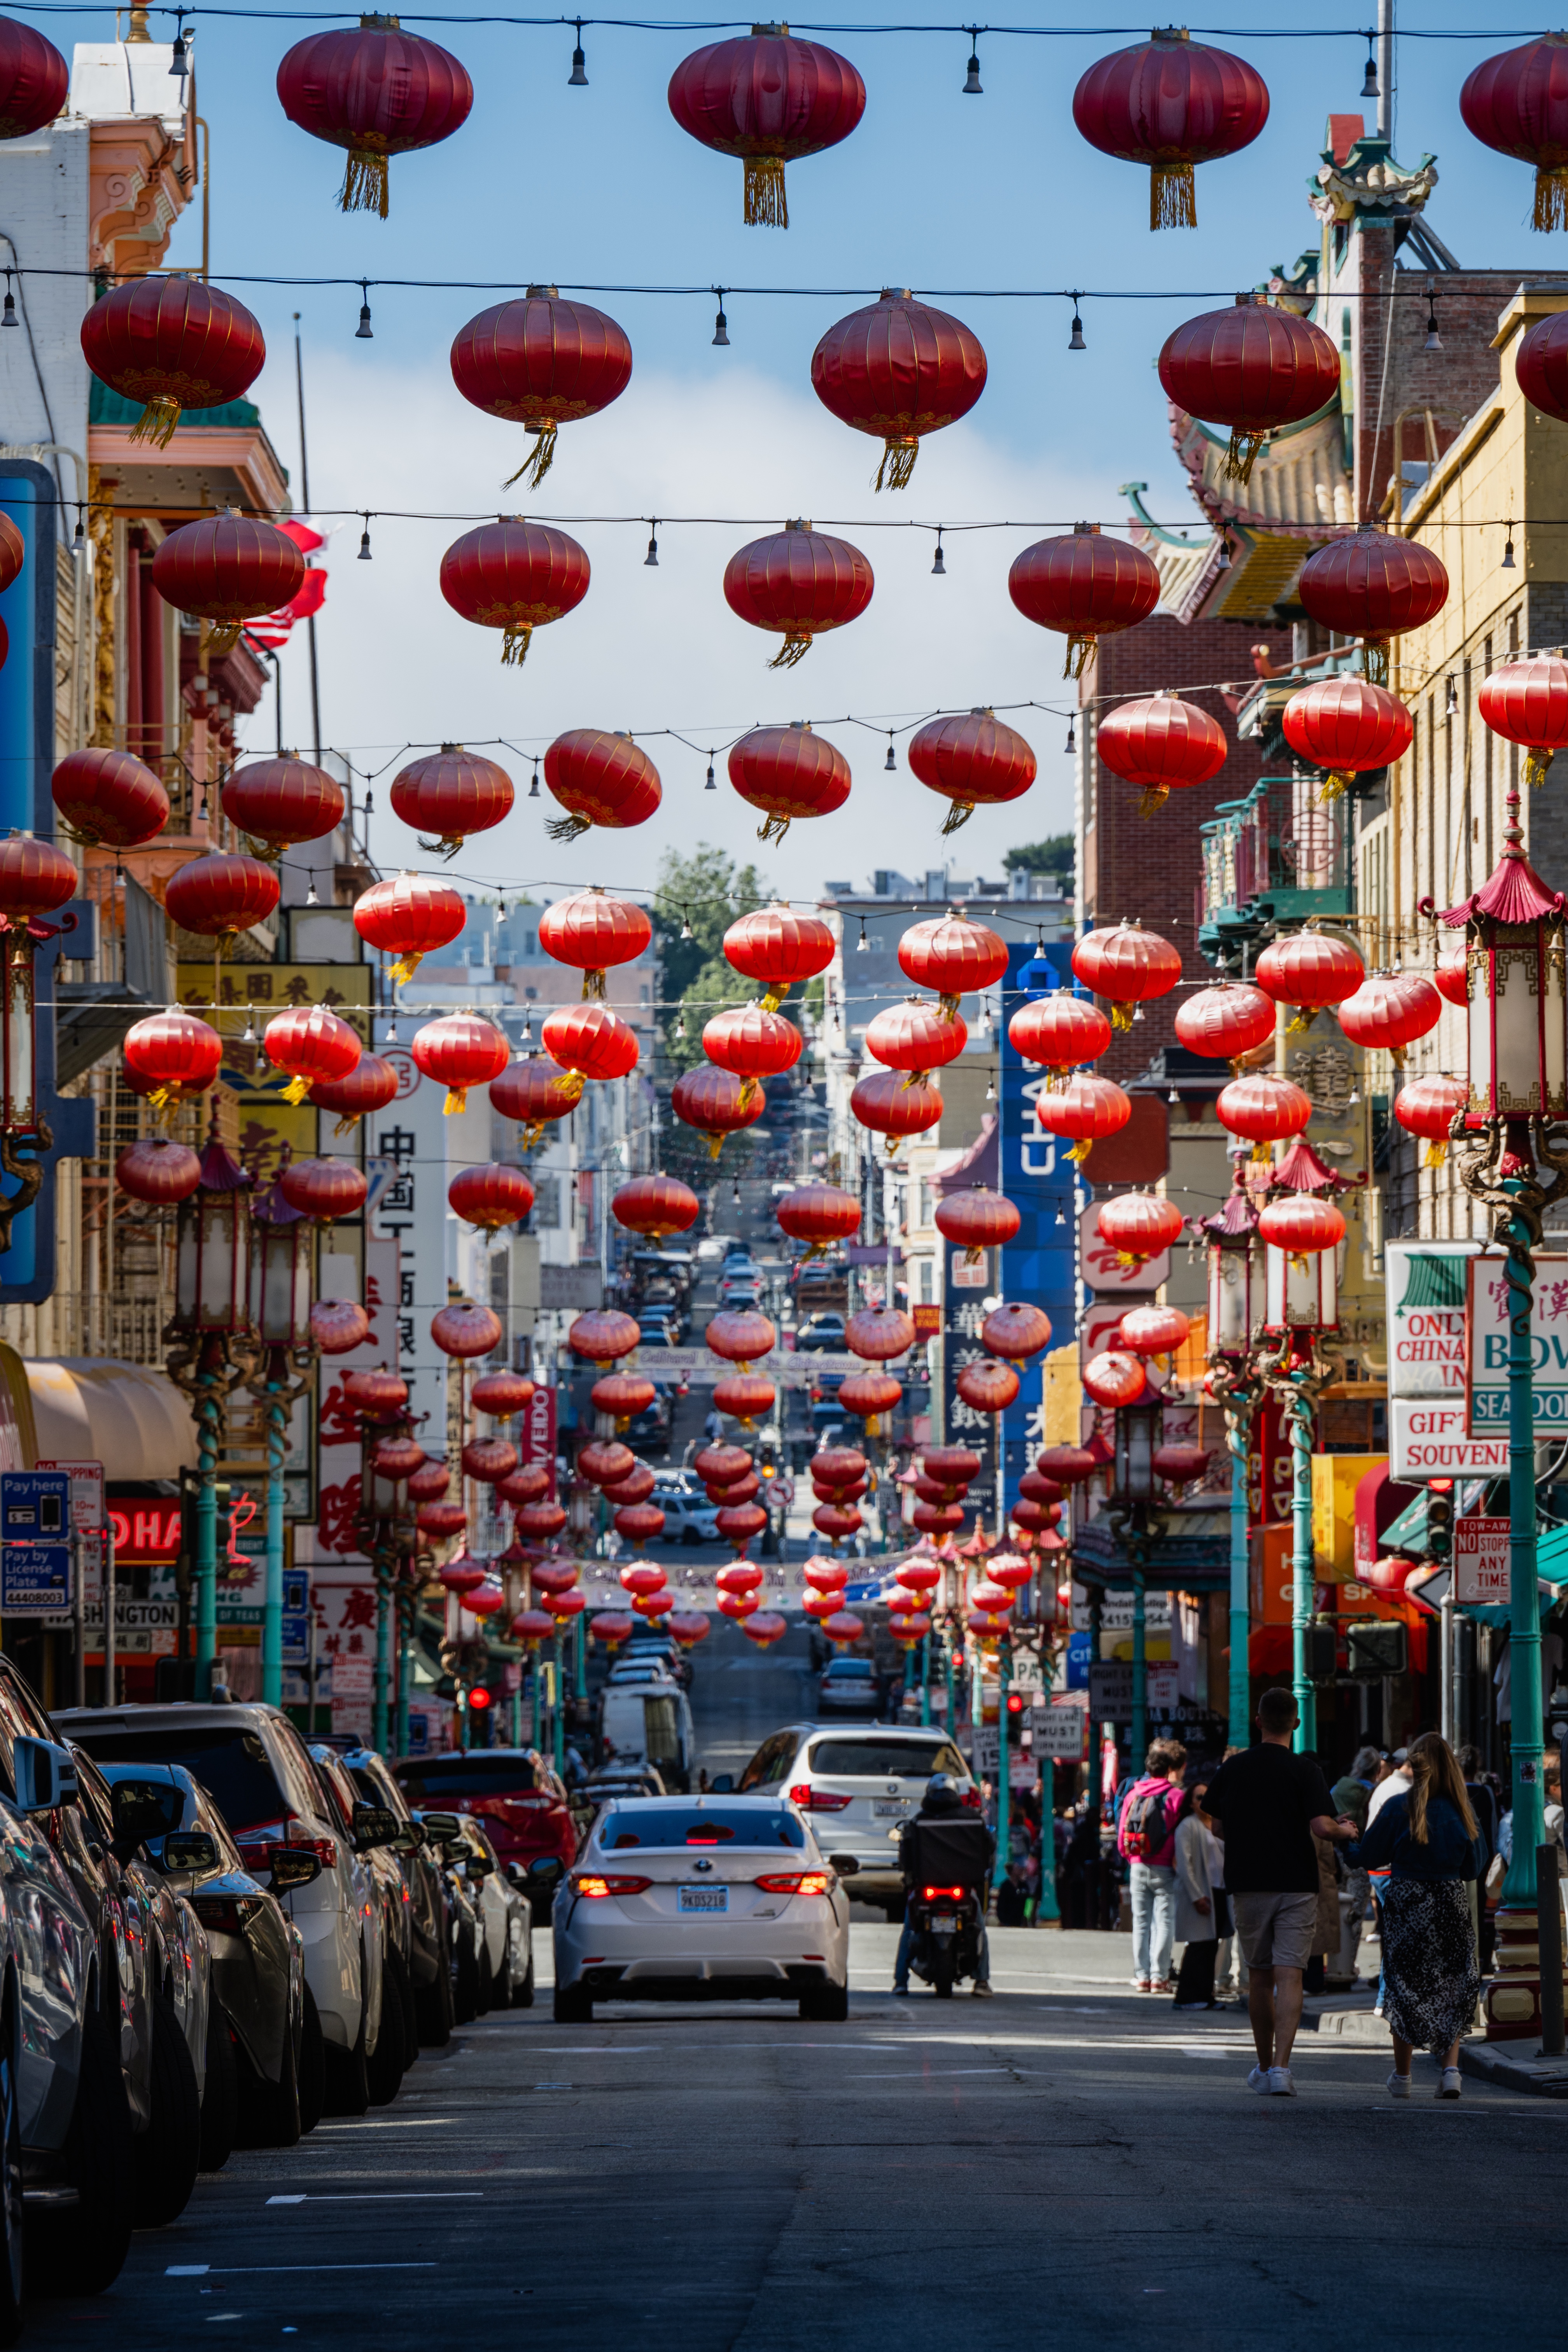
(102, 1323)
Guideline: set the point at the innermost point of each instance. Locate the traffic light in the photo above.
(1014, 1717)
(767, 1459)
(1323, 1649)
(1440, 1518)
(479, 1697)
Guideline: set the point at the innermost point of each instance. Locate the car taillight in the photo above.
(971, 1796)
(816, 1800)
(942, 1894)
(257, 1845)
(225, 1914)
(324, 1848)
(592, 1887)
(795, 1882)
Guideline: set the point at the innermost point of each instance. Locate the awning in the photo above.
(129, 1417)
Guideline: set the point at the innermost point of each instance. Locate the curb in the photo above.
(1491, 2061)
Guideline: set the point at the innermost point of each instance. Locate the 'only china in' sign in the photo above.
(1487, 1338)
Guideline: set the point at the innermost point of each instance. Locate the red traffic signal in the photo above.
(1014, 1702)
(479, 1697)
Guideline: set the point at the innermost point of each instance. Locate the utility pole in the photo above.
(1385, 68)
(305, 494)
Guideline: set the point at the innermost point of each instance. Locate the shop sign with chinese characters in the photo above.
(1487, 1344)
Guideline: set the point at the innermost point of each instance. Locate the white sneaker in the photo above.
(1399, 2086)
(1280, 2085)
(1449, 2088)
(1259, 2079)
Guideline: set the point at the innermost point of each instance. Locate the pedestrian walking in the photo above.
(1200, 1904)
(1428, 1838)
(1396, 1783)
(1146, 1841)
(1267, 1805)
(1353, 1795)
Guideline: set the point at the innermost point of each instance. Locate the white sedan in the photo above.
(701, 1898)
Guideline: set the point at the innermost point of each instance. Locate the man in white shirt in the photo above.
(1396, 1783)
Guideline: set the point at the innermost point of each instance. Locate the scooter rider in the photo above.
(943, 1802)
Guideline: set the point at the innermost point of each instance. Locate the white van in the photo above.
(649, 1722)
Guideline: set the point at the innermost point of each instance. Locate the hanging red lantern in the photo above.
(1224, 1023)
(739, 1576)
(612, 1627)
(440, 1522)
(1373, 586)
(718, 1466)
(978, 1220)
(975, 762)
(370, 1085)
(752, 1043)
(589, 1042)
(1060, 1031)
(553, 1575)
(540, 362)
(1181, 1464)
(788, 772)
(1016, 1333)
(638, 1485)
(221, 894)
(600, 779)
(458, 1051)
(1127, 964)
(174, 343)
(539, 1522)
(564, 1606)
(1147, 1332)
(1139, 1226)
(408, 918)
(715, 1103)
(738, 1605)
(1517, 104)
(158, 1172)
(463, 1575)
(915, 1036)
(324, 1189)
(375, 1395)
(1171, 103)
(228, 569)
(1070, 1465)
(1088, 1107)
(841, 1466)
(492, 1195)
(690, 1626)
(502, 1393)
(898, 370)
(1452, 979)
(737, 1523)
(377, 91)
(338, 1325)
(309, 1043)
(779, 950)
(1526, 702)
(1541, 367)
(745, 1398)
(951, 957)
(654, 1206)
(818, 1214)
(1310, 969)
(955, 1465)
(530, 1484)
(283, 801)
(34, 877)
(530, 1627)
(946, 1518)
(639, 1523)
(592, 931)
(837, 1520)
(450, 795)
(176, 1055)
(741, 1335)
(995, 1600)
(802, 583)
(534, 1091)
(765, 1628)
(1255, 367)
(922, 1576)
(1302, 1224)
(488, 1459)
(1115, 1378)
(869, 1394)
(605, 1461)
(1034, 1484)
(877, 1334)
(987, 1387)
(1263, 1108)
(35, 80)
(825, 1575)
(1427, 1107)
(602, 1335)
(465, 1330)
(1161, 744)
(514, 576)
(1390, 1011)
(107, 799)
(622, 1395)
(1347, 726)
(770, 99)
(895, 1107)
(398, 1458)
(1085, 587)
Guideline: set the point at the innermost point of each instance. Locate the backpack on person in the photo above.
(1149, 1823)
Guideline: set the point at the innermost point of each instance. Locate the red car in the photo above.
(513, 1791)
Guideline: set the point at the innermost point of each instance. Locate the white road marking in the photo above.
(379, 2197)
(263, 2269)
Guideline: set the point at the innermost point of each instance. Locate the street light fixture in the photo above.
(1236, 1308)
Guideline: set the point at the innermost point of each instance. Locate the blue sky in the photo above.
(935, 190)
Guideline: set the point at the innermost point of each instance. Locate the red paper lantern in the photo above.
(1451, 978)
(458, 1051)
(35, 80)
(1517, 104)
(464, 1575)
(1036, 1485)
(1016, 1333)
(310, 1044)
(898, 370)
(408, 918)
(841, 1466)
(1180, 1464)
(788, 772)
(951, 957)
(978, 1220)
(540, 362)
(611, 1627)
(915, 1036)
(377, 91)
(530, 1484)
(824, 1575)
(895, 1107)
(440, 1522)
(1084, 587)
(715, 1102)
(465, 1330)
(639, 1523)
(1139, 1226)
(769, 99)
(502, 1393)
(1034, 1518)
(1373, 586)
(1161, 744)
(995, 1599)
(492, 1195)
(539, 1522)
(741, 1575)
(720, 1465)
(987, 1387)
(745, 1398)
(1390, 1011)
(592, 931)
(624, 1395)
(338, 1325)
(283, 801)
(450, 795)
(1347, 726)
(1171, 103)
(737, 1523)
(741, 1335)
(654, 1206)
(818, 1213)
(1253, 367)
(867, 1394)
(221, 894)
(1263, 1108)
(228, 569)
(1310, 969)
(176, 1055)
(752, 1043)
(488, 1459)
(1085, 1108)
(1526, 702)
(564, 1606)
(765, 1628)
(1302, 1224)
(1070, 1465)
(377, 1395)
(946, 1519)
(324, 1189)
(1127, 964)
(955, 1465)
(1115, 1378)
(535, 1090)
(532, 1626)
(514, 576)
(1224, 1023)
(1541, 365)
(1059, 1032)
(589, 1041)
(158, 1172)
(690, 1626)
(603, 1335)
(738, 1605)
(975, 762)
(107, 799)
(370, 1085)
(1148, 1331)
(34, 877)
(801, 582)
(877, 1334)
(779, 950)
(599, 779)
(837, 1520)
(1428, 1106)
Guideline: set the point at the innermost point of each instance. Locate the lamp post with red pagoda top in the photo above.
(1234, 1311)
(282, 1259)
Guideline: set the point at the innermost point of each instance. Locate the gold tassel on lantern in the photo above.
(748, 1093)
(568, 828)
(1080, 1151)
(1436, 1154)
(1535, 766)
(1334, 787)
(1151, 799)
(224, 636)
(296, 1089)
(1242, 454)
(899, 455)
(959, 814)
(538, 460)
(1078, 651)
(1375, 660)
(793, 649)
(1120, 1016)
(448, 847)
(365, 188)
(407, 965)
(893, 1145)
(456, 1100)
(1301, 1020)
(515, 639)
(1173, 198)
(157, 421)
(776, 826)
(1551, 197)
(715, 1146)
(766, 206)
(593, 983)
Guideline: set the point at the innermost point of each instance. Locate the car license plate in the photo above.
(898, 1807)
(704, 1898)
(945, 1925)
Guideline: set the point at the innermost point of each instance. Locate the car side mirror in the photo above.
(373, 1825)
(477, 1866)
(545, 1870)
(45, 1776)
(411, 1836)
(143, 1810)
(292, 1867)
(844, 1863)
(191, 1850)
(723, 1784)
(442, 1826)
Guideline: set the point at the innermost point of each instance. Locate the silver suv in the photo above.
(857, 1785)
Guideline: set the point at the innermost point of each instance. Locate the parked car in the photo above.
(848, 1683)
(512, 1791)
(624, 1779)
(863, 1781)
(653, 1649)
(260, 2006)
(465, 1931)
(397, 2043)
(259, 1774)
(687, 1518)
(824, 1331)
(506, 1919)
(657, 1329)
(649, 1721)
(429, 1943)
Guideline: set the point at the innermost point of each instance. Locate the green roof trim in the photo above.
(107, 408)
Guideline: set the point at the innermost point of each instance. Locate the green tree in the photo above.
(1057, 856)
(704, 892)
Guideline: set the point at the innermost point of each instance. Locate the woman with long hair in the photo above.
(1200, 1914)
(1426, 1837)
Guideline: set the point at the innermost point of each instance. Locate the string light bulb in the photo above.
(889, 764)
(364, 554)
(1434, 341)
(1369, 88)
(710, 786)
(939, 567)
(1075, 341)
(578, 77)
(1507, 561)
(972, 84)
(862, 944)
(533, 788)
(721, 324)
(651, 558)
(364, 333)
(1071, 746)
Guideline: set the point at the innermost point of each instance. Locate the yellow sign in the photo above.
(1335, 1477)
